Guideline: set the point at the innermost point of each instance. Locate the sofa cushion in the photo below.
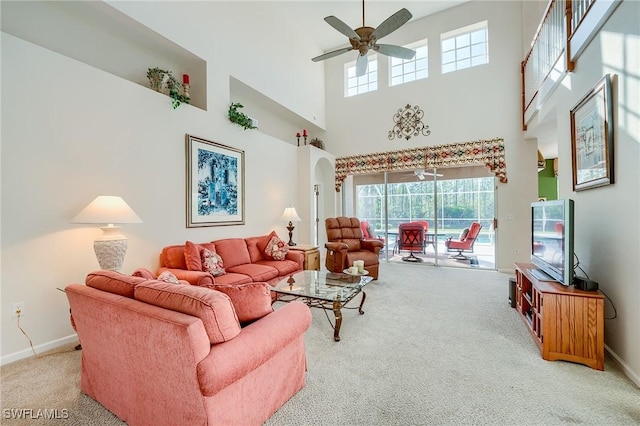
(284, 267)
(212, 262)
(114, 282)
(234, 252)
(251, 301)
(233, 278)
(276, 248)
(256, 271)
(256, 246)
(214, 308)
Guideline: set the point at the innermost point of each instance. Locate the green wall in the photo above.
(548, 182)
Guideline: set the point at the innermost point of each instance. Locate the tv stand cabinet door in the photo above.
(573, 329)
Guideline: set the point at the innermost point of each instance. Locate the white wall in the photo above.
(607, 228)
(477, 103)
(71, 132)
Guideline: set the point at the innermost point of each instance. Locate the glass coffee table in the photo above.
(326, 290)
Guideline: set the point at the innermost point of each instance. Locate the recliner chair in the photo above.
(346, 244)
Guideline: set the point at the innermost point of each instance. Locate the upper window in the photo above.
(406, 70)
(366, 83)
(465, 47)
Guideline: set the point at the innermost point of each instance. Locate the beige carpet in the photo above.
(435, 346)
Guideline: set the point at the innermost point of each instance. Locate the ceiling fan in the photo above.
(364, 38)
(421, 173)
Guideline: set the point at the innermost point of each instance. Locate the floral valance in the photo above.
(488, 152)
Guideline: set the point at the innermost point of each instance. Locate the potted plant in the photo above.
(240, 118)
(160, 79)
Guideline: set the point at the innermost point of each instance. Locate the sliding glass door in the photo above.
(448, 200)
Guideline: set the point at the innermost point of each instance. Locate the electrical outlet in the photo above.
(17, 308)
(516, 251)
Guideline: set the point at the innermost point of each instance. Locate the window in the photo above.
(363, 84)
(465, 47)
(403, 71)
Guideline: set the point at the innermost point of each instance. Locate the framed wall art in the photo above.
(592, 138)
(215, 184)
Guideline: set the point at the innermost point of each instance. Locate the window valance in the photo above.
(488, 152)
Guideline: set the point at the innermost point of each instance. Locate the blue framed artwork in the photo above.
(215, 184)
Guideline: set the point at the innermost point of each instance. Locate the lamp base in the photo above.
(110, 248)
(291, 228)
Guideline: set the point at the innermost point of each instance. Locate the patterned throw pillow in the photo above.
(168, 277)
(212, 263)
(276, 248)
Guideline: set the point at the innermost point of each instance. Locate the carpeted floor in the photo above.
(435, 346)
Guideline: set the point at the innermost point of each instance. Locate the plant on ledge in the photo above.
(159, 79)
(240, 118)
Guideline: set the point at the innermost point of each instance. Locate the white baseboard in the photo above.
(27, 353)
(632, 375)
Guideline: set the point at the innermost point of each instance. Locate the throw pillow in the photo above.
(192, 256)
(463, 234)
(143, 273)
(251, 301)
(276, 248)
(168, 277)
(212, 263)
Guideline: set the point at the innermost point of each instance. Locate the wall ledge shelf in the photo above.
(127, 48)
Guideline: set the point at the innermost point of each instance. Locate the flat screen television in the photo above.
(552, 240)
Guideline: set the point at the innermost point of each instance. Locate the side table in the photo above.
(311, 256)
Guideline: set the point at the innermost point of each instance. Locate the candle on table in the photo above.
(185, 78)
(304, 132)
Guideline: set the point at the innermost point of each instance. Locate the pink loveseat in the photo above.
(244, 261)
(157, 353)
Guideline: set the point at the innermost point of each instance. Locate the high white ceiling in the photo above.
(308, 15)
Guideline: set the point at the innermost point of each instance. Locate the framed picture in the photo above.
(592, 138)
(215, 184)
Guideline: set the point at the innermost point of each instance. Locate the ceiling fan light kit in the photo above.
(365, 38)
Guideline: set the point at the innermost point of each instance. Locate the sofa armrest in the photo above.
(297, 256)
(230, 361)
(336, 246)
(199, 278)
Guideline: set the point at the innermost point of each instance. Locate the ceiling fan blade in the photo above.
(331, 54)
(342, 27)
(395, 51)
(392, 23)
(361, 65)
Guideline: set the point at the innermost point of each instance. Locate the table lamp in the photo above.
(291, 215)
(111, 247)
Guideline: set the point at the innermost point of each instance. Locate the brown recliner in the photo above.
(346, 244)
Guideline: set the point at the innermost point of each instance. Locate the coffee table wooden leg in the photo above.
(364, 296)
(338, 314)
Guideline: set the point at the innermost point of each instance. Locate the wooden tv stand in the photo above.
(567, 324)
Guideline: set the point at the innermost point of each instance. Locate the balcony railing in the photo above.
(566, 28)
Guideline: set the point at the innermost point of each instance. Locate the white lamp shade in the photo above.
(111, 247)
(291, 215)
(107, 209)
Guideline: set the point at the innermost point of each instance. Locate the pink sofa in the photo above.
(244, 262)
(157, 353)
